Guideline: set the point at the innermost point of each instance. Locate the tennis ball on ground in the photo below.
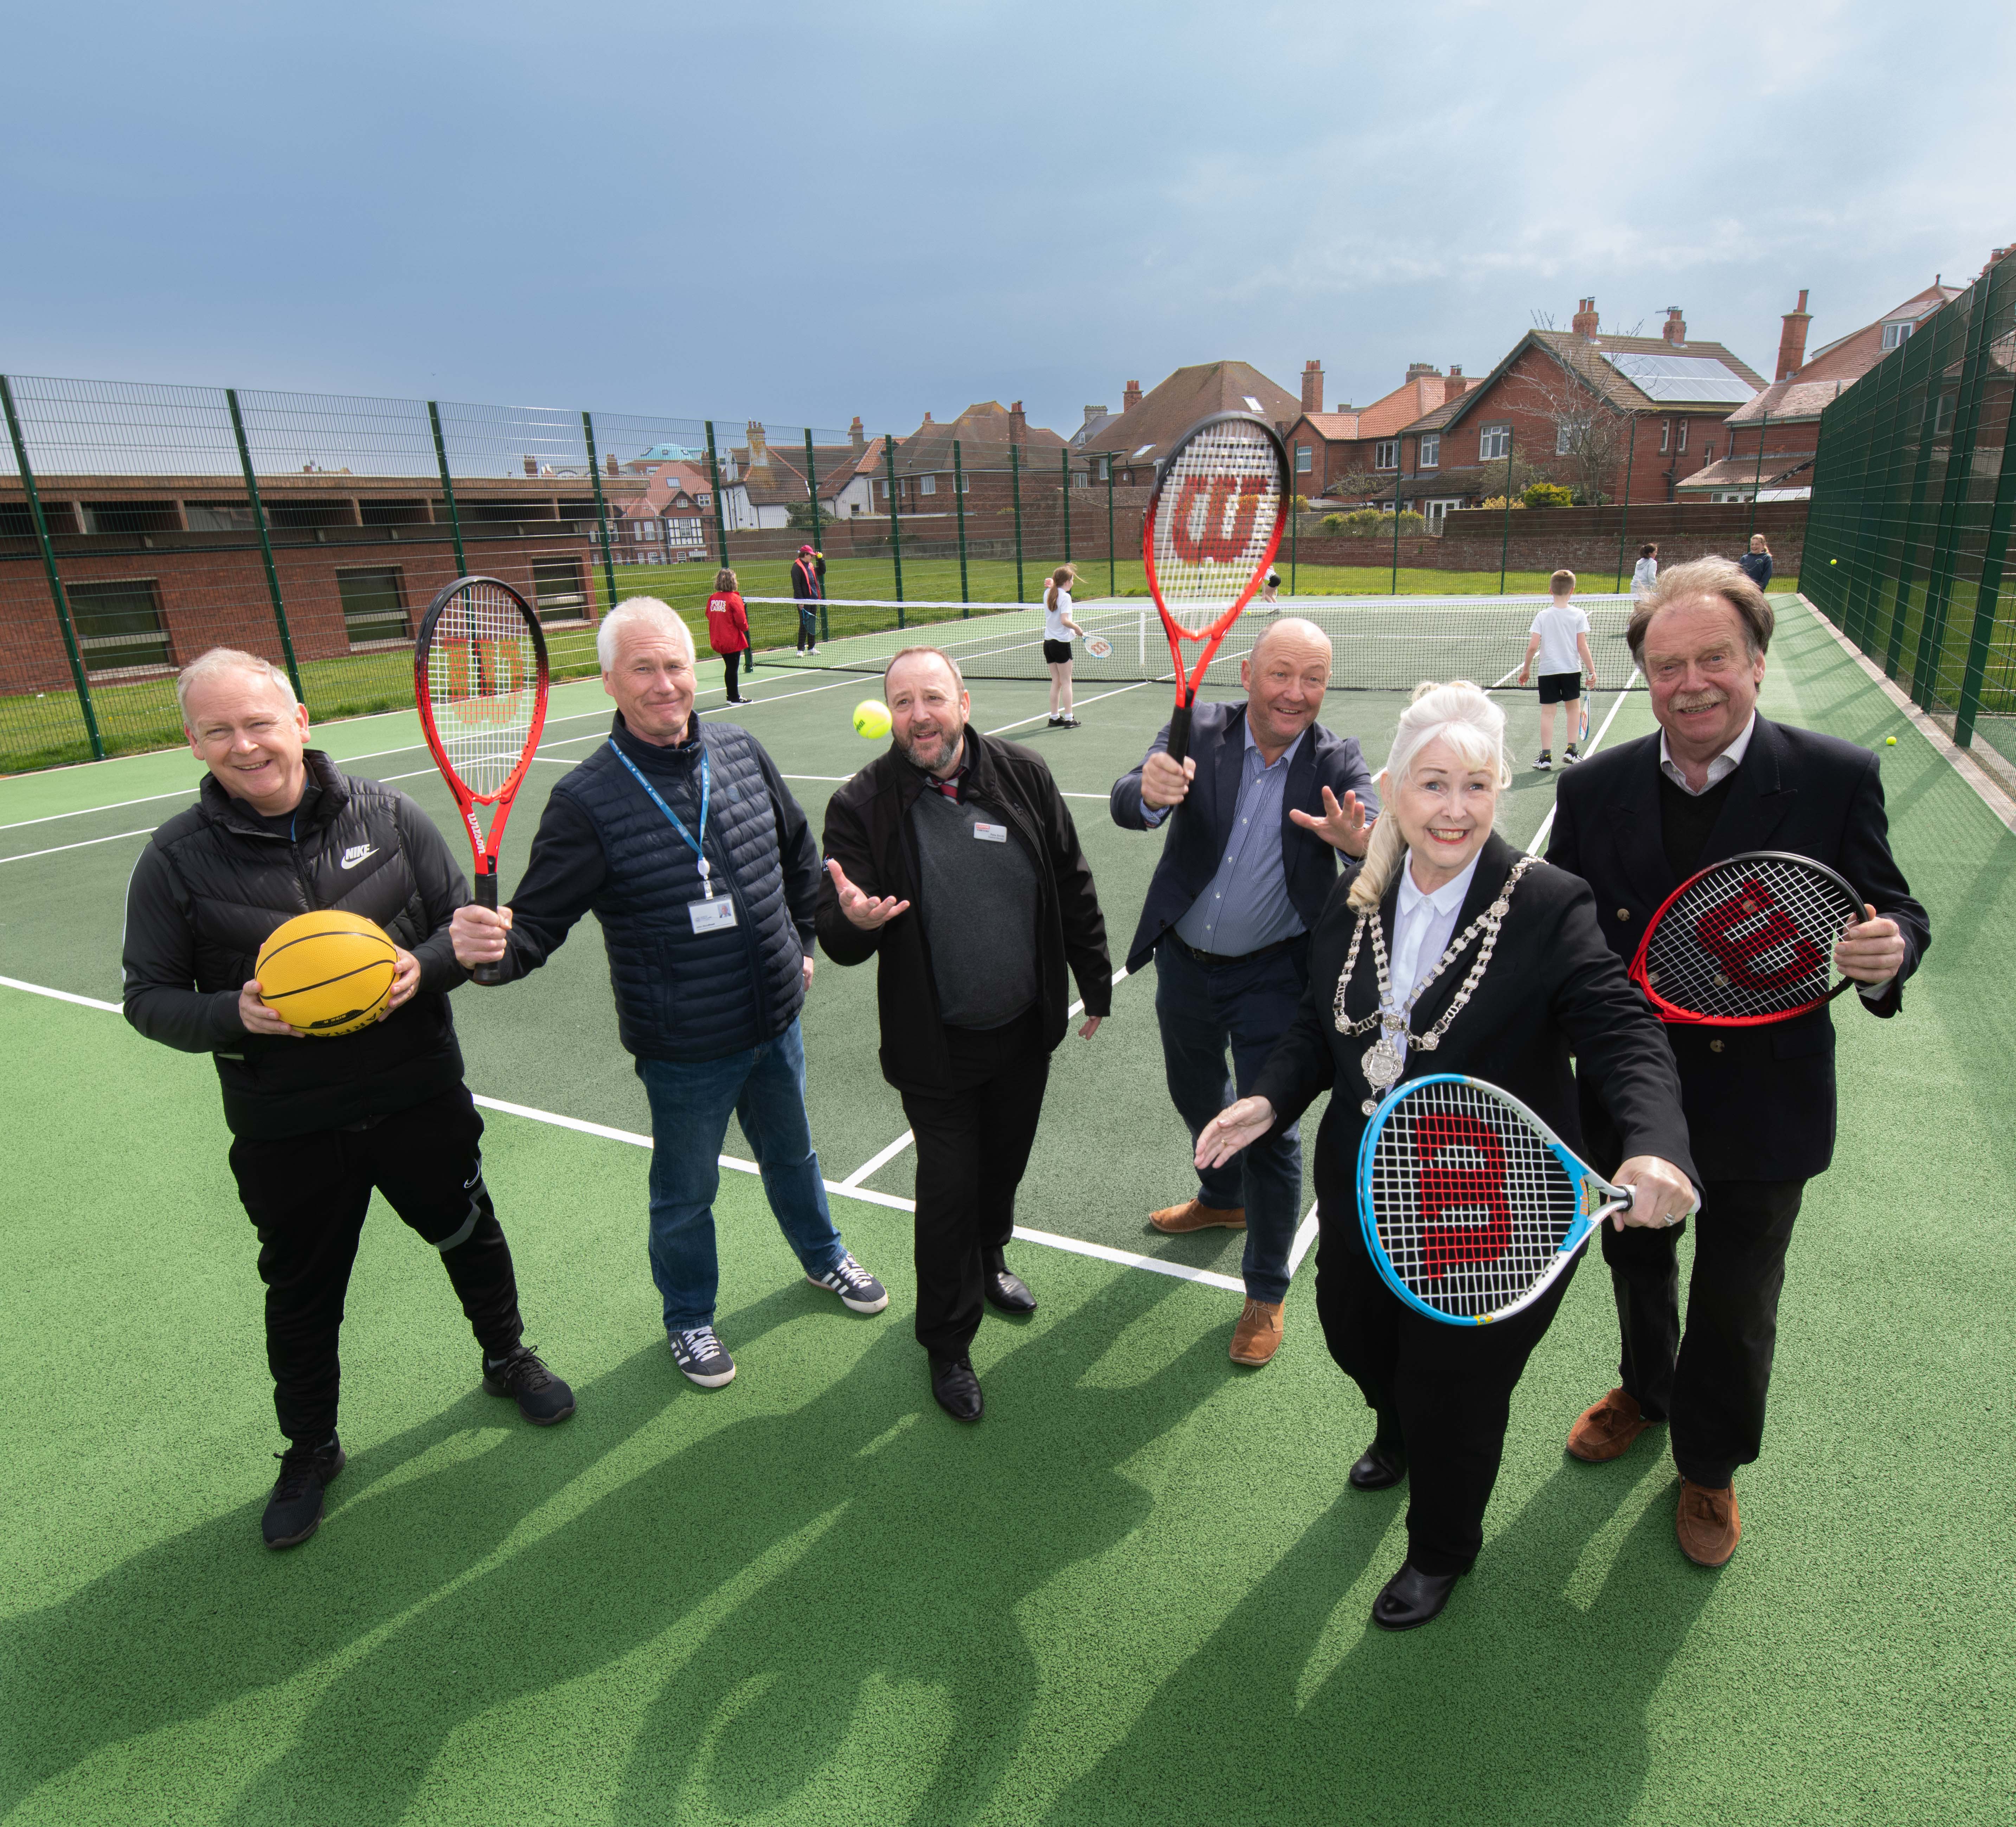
(1890, 741)
(326, 973)
(871, 719)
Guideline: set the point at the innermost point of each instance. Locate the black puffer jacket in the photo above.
(214, 882)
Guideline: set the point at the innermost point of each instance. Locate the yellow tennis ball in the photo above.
(871, 719)
(1891, 740)
(326, 973)
(1834, 561)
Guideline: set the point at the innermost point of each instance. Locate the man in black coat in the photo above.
(318, 1123)
(1635, 822)
(953, 860)
(1244, 872)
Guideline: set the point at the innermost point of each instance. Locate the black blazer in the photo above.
(1201, 826)
(1760, 1102)
(1553, 988)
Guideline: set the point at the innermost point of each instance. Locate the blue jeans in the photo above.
(1203, 1010)
(765, 1088)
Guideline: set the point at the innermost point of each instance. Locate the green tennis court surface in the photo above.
(1138, 1591)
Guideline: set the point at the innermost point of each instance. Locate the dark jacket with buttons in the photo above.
(1760, 1102)
(603, 845)
(210, 888)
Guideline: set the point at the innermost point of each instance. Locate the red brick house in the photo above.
(1330, 452)
(985, 433)
(1149, 424)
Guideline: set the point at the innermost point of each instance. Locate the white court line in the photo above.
(1041, 715)
(85, 845)
(88, 1002)
(1596, 741)
(875, 1163)
(1306, 1234)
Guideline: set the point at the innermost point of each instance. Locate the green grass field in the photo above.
(1137, 1592)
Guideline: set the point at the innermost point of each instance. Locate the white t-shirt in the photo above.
(1558, 625)
(1644, 574)
(1053, 619)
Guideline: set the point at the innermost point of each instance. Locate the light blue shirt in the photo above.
(1245, 907)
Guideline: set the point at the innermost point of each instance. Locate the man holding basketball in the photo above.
(1635, 822)
(1268, 798)
(319, 1123)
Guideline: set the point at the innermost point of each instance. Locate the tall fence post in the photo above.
(1624, 525)
(895, 520)
(959, 502)
(1294, 537)
(49, 567)
(1988, 594)
(1112, 551)
(811, 492)
(1505, 539)
(1757, 482)
(601, 507)
(447, 489)
(1393, 588)
(1063, 457)
(1015, 490)
(265, 544)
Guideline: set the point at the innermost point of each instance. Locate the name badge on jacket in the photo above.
(991, 833)
(711, 915)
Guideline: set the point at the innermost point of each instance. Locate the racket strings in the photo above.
(1470, 1206)
(1753, 937)
(1214, 516)
(482, 676)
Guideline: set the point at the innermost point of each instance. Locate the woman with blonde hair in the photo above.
(1447, 950)
(1058, 628)
(1756, 563)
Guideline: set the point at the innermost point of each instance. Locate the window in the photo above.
(220, 517)
(1433, 511)
(1680, 442)
(930, 485)
(1707, 451)
(1303, 459)
(1431, 450)
(119, 625)
(1564, 436)
(1386, 454)
(1665, 434)
(374, 605)
(1494, 441)
(130, 517)
(1896, 333)
(557, 591)
(965, 483)
(1942, 413)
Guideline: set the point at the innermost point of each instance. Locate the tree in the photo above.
(1591, 433)
(1547, 494)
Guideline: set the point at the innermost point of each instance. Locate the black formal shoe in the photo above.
(1007, 1291)
(957, 1388)
(1381, 1468)
(1411, 1597)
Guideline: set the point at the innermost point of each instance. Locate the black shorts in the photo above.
(1057, 653)
(1559, 688)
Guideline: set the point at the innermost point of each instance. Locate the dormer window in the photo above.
(1895, 334)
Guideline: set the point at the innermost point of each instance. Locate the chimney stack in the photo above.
(1454, 387)
(1312, 380)
(1130, 396)
(612, 464)
(1416, 369)
(759, 449)
(1584, 322)
(1018, 425)
(856, 437)
(1676, 331)
(1093, 412)
(531, 465)
(928, 418)
(1792, 342)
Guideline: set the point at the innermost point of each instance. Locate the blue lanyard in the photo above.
(705, 874)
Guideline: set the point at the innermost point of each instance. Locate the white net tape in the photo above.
(1753, 937)
(483, 677)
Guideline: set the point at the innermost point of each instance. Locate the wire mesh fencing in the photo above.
(1913, 490)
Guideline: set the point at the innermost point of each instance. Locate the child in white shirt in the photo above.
(1560, 641)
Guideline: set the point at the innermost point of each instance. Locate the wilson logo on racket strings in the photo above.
(1461, 1166)
(484, 678)
(1198, 533)
(1727, 932)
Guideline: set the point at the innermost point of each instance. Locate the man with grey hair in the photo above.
(319, 1124)
(687, 847)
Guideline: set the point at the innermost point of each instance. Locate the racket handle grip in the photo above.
(1180, 733)
(486, 896)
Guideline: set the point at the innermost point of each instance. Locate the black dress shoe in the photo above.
(1411, 1597)
(1381, 1468)
(957, 1388)
(1007, 1291)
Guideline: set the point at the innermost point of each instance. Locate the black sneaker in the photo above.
(541, 1397)
(699, 1355)
(293, 1512)
(1546, 760)
(856, 1287)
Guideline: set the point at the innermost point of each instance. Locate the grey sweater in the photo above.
(979, 910)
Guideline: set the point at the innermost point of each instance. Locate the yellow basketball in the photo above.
(327, 973)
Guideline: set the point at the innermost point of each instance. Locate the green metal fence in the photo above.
(1913, 490)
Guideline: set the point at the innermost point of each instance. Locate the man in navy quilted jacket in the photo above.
(689, 848)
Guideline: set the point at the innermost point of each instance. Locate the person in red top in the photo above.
(728, 627)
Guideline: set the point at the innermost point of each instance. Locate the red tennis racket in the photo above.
(479, 678)
(1213, 526)
(1746, 941)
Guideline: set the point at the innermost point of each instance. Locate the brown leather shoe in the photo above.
(1606, 1430)
(1707, 1523)
(1257, 1335)
(1177, 1221)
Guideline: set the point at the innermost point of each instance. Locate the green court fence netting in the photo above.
(1907, 541)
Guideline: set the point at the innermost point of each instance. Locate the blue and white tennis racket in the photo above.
(1471, 1204)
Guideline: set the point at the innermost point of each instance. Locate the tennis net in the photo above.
(1377, 644)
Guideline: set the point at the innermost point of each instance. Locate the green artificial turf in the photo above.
(1136, 1592)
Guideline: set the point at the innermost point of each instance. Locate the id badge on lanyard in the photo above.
(712, 912)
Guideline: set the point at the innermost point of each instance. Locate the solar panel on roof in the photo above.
(1681, 377)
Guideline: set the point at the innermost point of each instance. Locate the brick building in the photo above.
(1131, 443)
(1352, 454)
(986, 433)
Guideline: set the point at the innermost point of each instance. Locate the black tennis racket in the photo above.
(480, 680)
(1746, 941)
(1213, 526)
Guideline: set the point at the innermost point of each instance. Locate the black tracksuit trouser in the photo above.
(973, 1139)
(1710, 1382)
(307, 1195)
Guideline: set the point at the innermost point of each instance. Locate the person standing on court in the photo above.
(685, 844)
(1635, 822)
(1756, 563)
(952, 860)
(1559, 641)
(1268, 797)
(319, 1123)
(1058, 628)
(807, 586)
(727, 629)
(1645, 573)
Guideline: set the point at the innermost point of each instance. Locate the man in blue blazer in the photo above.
(1262, 803)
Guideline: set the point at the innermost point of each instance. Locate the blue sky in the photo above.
(801, 213)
